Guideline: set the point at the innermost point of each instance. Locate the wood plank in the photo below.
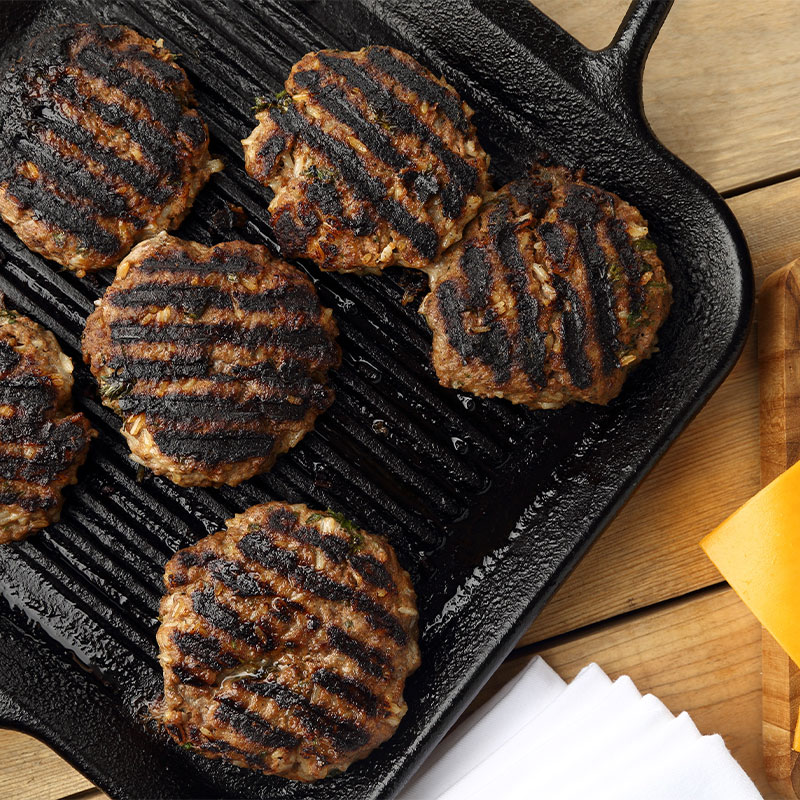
(650, 552)
(726, 103)
(780, 698)
(701, 654)
(779, 379)
(32, 771)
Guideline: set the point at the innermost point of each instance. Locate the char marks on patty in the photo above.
(100, 145)
(42, 443)
(372, 159)
(276, 670)
(216, 358)
(553, 295)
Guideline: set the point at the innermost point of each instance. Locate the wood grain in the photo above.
(32, 771)
(779, 378)
(701, 655)
(720, 85)
(779, 370)
(650, 552)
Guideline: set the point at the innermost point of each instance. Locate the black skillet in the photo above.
(488, 506)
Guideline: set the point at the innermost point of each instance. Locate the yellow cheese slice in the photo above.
(757, 549)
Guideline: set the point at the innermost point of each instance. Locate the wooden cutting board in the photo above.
(779, 381)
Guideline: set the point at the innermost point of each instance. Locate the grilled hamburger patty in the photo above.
(99, 144)
(42, 443)
(286, 641)
(553, 295)
(216, 358)
(373, 161)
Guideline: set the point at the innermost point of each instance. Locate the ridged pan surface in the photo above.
(488, 506)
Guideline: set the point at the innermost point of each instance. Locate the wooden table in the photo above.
(721, 91)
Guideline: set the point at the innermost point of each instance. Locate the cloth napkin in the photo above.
(542, 738)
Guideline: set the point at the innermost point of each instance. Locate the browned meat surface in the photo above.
(100, 146)
(373, 161)
(286, 641)
(42, 443)
(216, 358)
(553, 295)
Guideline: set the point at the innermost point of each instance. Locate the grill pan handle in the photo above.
(615, 72)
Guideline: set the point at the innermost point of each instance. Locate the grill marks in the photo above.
(157, 147)
(204, 650)
(62, 214)
(387, 150)
(270, 150)
(135, 369)
(428, 90)
(364, 185)
(9, 358)
(142, 181)
(491, 345)
(233, 575)
(69, 176)
(193, 299)
(336, 548)
(175, 407)
(528, 343)
(252, 727)
(227, 620)
(286, 522)
(316, 719)
(220, 261)
(549, 292)
(353, 691)
(336, 101)
(190, 299)
(632, 263)
(246, 330)
(260, 548)
(302, 341)
(254, 660)
(582, 212)
(69, 112)
(30, 395)
(370, 659)
(59, 443)
(372, 571)
(213, 448)
(113, 67)
(40, 446)
(495, 264)
(289, 375)
(398, 116)
(573, 321)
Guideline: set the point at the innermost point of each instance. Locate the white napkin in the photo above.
(541, 738)
(486, 730)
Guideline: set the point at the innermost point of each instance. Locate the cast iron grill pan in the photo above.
(488, 506)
